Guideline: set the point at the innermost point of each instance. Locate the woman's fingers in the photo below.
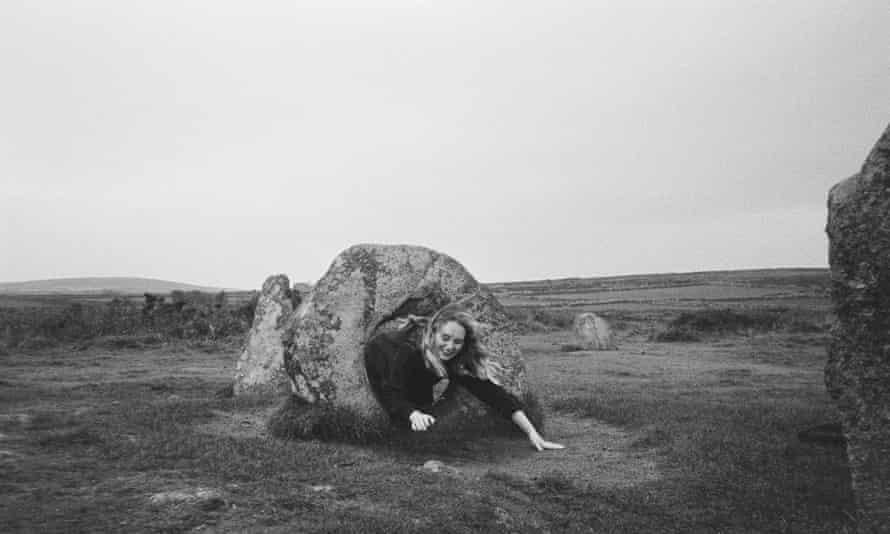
(542, 444)
(426, 422)
(421, 421)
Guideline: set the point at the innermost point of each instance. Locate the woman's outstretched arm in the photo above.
(507, 405)
(538, 442)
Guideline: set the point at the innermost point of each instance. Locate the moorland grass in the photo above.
(736, 452)
(733, 461)
(728, 453)
(145, 446)
(123, 323)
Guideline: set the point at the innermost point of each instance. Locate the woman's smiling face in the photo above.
(449, 340)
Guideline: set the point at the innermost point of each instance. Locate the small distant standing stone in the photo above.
(593, 332)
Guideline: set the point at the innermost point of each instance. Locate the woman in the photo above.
(403, 367)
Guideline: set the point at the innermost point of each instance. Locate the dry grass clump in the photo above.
(536, 319)
(696, 325)
(674, 334)
(123, 323)
(66, 438)
(297, 419)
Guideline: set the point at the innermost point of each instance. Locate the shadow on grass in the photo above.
(64, 439)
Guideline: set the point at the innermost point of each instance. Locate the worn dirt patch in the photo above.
(596, 454)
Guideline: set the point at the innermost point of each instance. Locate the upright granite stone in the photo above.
(365, 290)
(260, 369)
(593, 332)
(858, 369)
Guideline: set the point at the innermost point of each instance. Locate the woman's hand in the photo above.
(541, 444)
(537, 441)
(420, 420)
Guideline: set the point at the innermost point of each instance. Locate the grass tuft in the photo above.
(130, 341)
(225, 392)
(652, 437)
(555, 482)
(63, 439)
(541, 319)
(675, 334)
(694, 325)
(297, 419)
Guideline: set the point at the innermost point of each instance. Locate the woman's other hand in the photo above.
(537, 441)
(543, 445)
(420, 420)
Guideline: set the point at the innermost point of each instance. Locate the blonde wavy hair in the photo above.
(473, 358)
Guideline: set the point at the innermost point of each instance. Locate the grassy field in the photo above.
(697, 436)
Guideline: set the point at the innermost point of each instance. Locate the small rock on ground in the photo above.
(435, 466)
(206, 497)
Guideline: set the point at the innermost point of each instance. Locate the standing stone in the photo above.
(260, 369)
(366, 288)
(593, 332)
(858, 369)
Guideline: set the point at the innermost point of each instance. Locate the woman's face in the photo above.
(449, 340)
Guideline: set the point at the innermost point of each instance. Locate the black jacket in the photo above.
(402, 383)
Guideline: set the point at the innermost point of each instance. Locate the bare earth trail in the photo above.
(596, 454)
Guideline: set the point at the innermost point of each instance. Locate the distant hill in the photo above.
(809, 278)
(104, 284)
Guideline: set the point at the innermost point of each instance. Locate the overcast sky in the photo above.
(217, 142)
